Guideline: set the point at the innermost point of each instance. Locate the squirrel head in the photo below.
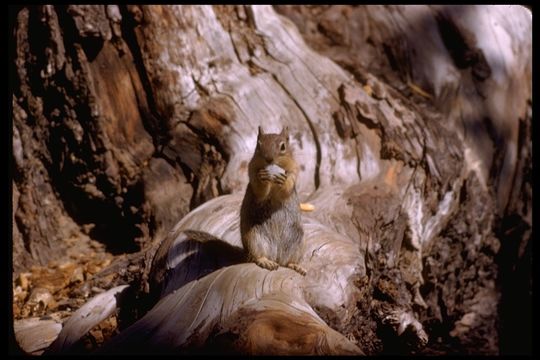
(271, 147)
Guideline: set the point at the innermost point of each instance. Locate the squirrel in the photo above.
(270, 219)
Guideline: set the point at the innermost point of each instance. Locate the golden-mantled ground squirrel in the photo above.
(270, 219)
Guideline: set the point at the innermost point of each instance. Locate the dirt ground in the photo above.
(55, 291)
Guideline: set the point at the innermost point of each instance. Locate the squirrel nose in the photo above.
(269, 159)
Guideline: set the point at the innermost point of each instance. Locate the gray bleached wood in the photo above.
(99, 308)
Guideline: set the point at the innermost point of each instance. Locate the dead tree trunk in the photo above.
(125, 118)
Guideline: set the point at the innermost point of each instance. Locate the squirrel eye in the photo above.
(282, 147)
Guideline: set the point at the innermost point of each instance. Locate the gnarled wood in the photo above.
(411, 128)
(89, 315)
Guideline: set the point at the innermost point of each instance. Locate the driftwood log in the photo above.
(134, 125)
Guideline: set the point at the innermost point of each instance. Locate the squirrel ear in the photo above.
(285, 131)
(260, 131)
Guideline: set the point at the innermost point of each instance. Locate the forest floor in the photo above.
(55, 291)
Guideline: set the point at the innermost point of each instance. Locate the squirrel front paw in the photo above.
(275, 173)
(267, 263)
(280, 178)
(264, 175)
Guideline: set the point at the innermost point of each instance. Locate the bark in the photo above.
(411, 129)
(483, 89)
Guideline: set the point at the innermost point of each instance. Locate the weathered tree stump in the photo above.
(411, 126)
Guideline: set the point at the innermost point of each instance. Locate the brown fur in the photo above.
(270, 220)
